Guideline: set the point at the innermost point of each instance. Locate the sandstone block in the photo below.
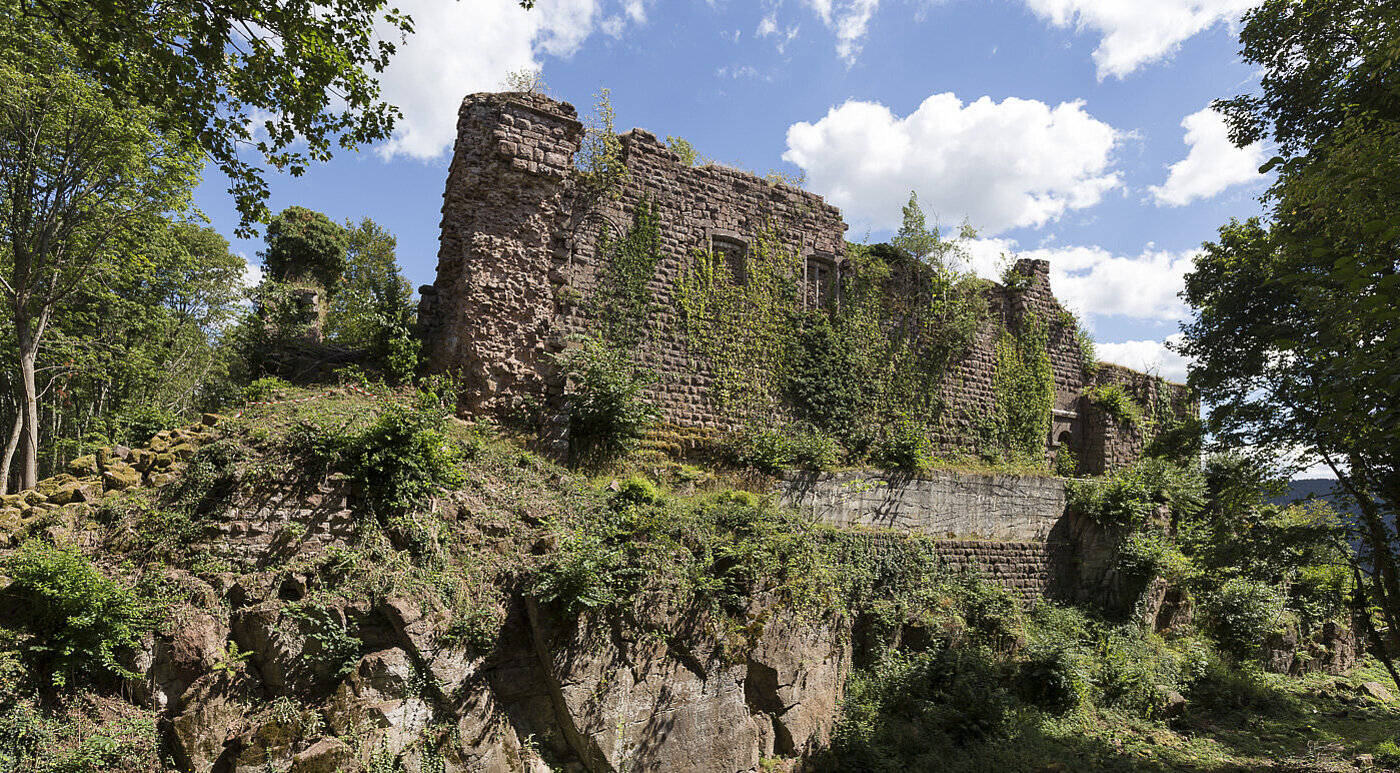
(83, 466)
(121, 476)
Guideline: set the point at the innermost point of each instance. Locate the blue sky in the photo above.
(1072, 130)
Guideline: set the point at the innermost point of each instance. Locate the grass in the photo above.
(475, 547)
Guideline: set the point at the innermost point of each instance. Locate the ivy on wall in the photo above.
(1024, 394)
(746, 330)
(623, 306)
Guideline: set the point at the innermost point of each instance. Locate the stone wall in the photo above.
(1016, 529)
(940, 503)
(520, 260)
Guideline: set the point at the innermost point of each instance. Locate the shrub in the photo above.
(773, 450)
(1128, 497)
(585, 572)
(264, 389)
(1151, 554)
(1114, 400)
(1135, 665)
(608, 409)
(905, 446)
(1243, 613)
(400, 458)
(78, 617)
(636, 490)
(1053, 678)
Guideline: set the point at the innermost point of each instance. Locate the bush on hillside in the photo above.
(77, 617)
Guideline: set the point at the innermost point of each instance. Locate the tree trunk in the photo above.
(10, 446)
(29, 413)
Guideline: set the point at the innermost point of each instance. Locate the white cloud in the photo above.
(252, 273)
(768, 25)
(1001, 165)
(737, 71)
(1096, 282)
(1137, 32)
(849, 20)
(462, 48)
(1211, 165)
(1147, 356)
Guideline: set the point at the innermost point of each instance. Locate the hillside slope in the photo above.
(349, 583)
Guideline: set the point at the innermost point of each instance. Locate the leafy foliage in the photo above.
(303, 245)
(403, 456)
(78, 619)
(287, 82)
(1024, 388)
(622, 304)
(599, 161)
(1296, 333)
(608, 408)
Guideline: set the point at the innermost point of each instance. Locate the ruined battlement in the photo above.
(525, 257)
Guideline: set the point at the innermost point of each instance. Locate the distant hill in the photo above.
(1320, 488)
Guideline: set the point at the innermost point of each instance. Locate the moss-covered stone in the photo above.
(162, 478)
(84, 466)
(163, 461)
(32, 497)
(103, 456)
(120, 476)
(159, 445)
(183, 451)
(69, 492)
(143, 459)
(211, 419)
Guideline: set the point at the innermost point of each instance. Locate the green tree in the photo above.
(1296, 332)
(79, 174)
(373, 309)
(914, 235)
(303, 245)
(286, 80)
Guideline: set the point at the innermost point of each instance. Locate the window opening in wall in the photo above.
(819, 283)
(733, 252)
(1065, 438)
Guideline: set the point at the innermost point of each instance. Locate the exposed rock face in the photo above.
(638, 699)
(265, 683)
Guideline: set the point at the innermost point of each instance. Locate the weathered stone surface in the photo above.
(422, 622)
(1374, 691)
(520, 255)
(287, 649)
(83, 466)
(119, 476)
(940, 503)
(215, 707)
(328, 755)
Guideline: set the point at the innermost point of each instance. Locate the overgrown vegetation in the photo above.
(75, 618)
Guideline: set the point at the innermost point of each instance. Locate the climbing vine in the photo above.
(740, 313)
(623, 304)
(1024, 391)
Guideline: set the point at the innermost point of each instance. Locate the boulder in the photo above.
(421, 623)
(84, 466)
(214, 712)
(382, 694)
(121, 452)
(290, 650)
(183, 451)
(1172, 703)
(1374, 691)
(328, 755)
(68, 492)
(120, 476)
(142, 459)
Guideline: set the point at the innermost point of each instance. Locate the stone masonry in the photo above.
(519, 254)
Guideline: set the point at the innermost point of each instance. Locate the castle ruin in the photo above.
(521, 251)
